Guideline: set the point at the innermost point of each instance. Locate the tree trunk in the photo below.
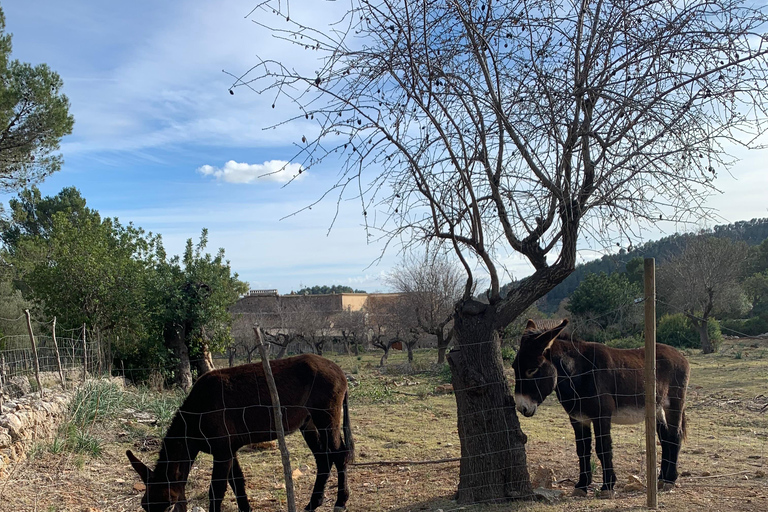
(383, 360)
(701, 327)
(409, 347)
(442, 346)
(231, 356)
(174, 339)
(282, 351)
(493, 462)
(204, 363)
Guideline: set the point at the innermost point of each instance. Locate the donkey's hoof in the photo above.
(579, 493)
(665, 486)
(606, 494)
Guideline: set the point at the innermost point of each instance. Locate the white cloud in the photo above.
(278, 171)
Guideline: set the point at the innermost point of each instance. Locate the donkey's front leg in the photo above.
(584, 451)
(604, 448)
(219, 478)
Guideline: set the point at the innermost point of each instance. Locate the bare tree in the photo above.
(351, 325)
(703, 280)
(431, 286)
(520, 126)
(384, 323)
(308, 323)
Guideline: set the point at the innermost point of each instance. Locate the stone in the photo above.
(634, 484)
(543, 478)
(139, 486)
(547, 495)
(16, 387)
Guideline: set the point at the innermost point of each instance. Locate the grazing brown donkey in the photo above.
(597, 384)
(229, 408)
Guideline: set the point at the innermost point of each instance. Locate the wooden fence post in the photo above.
(2, 379)
(58, 357)
(278, 421)
(34, 352)
(85, 357)
(99, 358)
(650, 382)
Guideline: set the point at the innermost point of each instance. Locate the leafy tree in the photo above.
(189, 298)
(34, 116)
(603, 300)
(326, 290)
(517, 127)
(756, 288)
(704, 280)
(32, 214)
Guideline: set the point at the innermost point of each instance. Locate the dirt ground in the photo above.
(397, 417)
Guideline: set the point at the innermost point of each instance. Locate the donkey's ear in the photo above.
(141, 468)
(530, 326)
(549, 337)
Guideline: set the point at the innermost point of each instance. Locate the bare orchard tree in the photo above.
(351, 325)
(703, 280)
(431, 287)
(384, 323)
(520, 126)
(309, 324)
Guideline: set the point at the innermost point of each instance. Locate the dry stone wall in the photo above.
(26, 418)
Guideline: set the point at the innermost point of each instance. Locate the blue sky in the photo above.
(159, 141)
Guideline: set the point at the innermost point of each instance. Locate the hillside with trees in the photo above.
(752, 232)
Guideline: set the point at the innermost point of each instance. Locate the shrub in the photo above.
(751, 326)
(627, 342)
(676, 330)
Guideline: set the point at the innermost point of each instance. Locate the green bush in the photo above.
(627, 342)
(751, 326)
(676, 330)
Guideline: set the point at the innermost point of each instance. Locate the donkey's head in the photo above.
(164, 493)
(535, 376)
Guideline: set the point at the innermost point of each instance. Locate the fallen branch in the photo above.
(405, 462)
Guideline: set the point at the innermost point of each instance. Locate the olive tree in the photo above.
(703, 280)
(520, 127)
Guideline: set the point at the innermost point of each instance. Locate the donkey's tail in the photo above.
(349, 443)
(683, 428)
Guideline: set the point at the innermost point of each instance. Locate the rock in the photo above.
(296, 473)
(634, 484)
(443, 389)
(579, 493)
(759, 473)
(543, 478)
(698, 451)
(16, 387)
(139, 486)
(547, 495)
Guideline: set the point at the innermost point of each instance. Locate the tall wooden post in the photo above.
(2, 379)
(278, 417)
(650, 382)
(58, 357)
(34, 352)
(85, 357)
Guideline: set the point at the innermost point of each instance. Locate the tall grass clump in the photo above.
(93, 402)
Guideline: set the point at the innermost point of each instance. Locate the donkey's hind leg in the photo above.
(237, 482)
(320, 450)
(584, 451)
(219, 478)
(671, 437)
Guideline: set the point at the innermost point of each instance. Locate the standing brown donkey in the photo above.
(598, 385)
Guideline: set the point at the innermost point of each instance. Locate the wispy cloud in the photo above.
(278, 171)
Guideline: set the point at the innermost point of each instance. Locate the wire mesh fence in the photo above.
(408, 446)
